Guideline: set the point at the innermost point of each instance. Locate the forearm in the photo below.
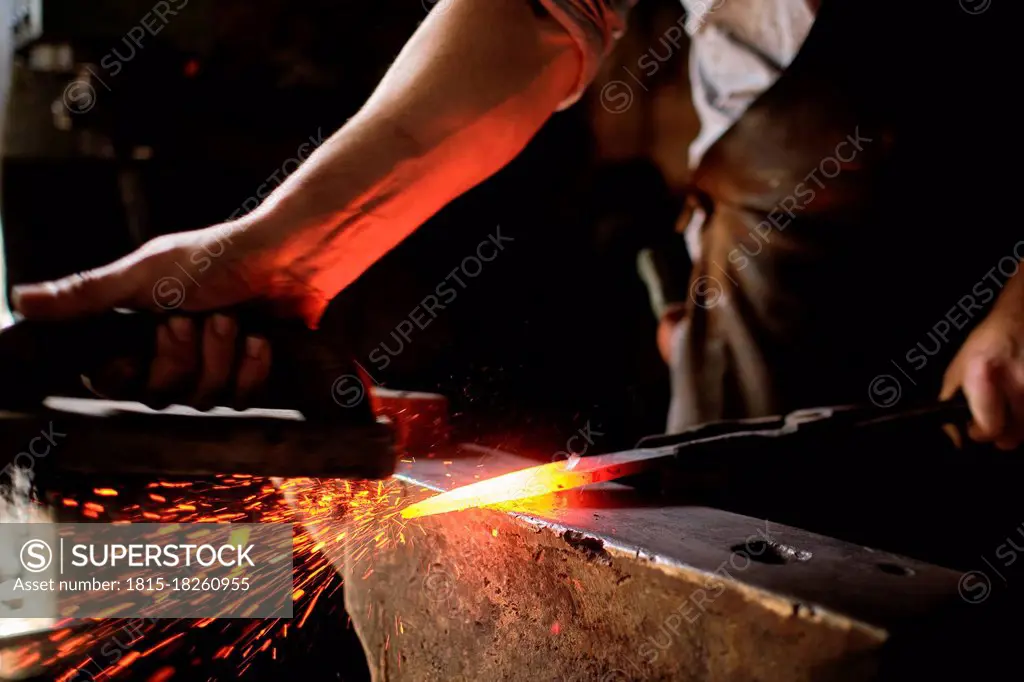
(465, 95)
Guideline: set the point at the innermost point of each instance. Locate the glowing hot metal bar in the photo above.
(742, 436)
(539, 480)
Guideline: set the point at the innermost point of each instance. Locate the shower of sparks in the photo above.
(371, 511)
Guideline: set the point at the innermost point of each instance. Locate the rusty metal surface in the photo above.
(888, 587)
(603, 585)
(482, 596)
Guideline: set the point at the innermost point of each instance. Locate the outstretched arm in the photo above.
(467, 92)
(463, 98)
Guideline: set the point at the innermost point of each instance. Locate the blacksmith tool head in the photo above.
(304, 426)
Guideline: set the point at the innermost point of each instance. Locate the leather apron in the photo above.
(841, 240)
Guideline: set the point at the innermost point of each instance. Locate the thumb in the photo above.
(85, 293)
(951, 386)
(950, 382)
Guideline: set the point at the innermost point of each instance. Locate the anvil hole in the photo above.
(773, 553)
(895, 569)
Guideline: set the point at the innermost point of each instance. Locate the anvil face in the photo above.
(650, 588)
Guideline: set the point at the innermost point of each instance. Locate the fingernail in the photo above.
(21, 291)
(181, 328)
(254, 346)
(222, 324)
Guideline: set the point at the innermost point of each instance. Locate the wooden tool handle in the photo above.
(309, 372)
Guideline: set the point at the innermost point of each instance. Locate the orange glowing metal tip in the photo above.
(539, 480)
(743, 434)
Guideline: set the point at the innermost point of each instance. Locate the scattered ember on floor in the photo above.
(98, 649)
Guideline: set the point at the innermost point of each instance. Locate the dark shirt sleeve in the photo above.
(594, 25)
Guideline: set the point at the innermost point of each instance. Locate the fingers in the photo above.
(952, 380)
(950, 387)
(1013, 382)
(121, 377)
(202, 364)
(1014, 435)
(253, 370)
(85, 293)
(981, 381)
(218, 355)
(174, 365)
(995, 394)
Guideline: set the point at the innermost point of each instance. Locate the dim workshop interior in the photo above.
(472, 340)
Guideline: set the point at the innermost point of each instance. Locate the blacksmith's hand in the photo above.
(989, 369)
(200, 360)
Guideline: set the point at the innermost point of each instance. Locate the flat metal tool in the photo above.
(701, 449)
(304, 425)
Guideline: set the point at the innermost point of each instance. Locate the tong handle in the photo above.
(43, 358)
(953, 411)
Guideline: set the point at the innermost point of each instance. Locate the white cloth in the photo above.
(738, 49)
